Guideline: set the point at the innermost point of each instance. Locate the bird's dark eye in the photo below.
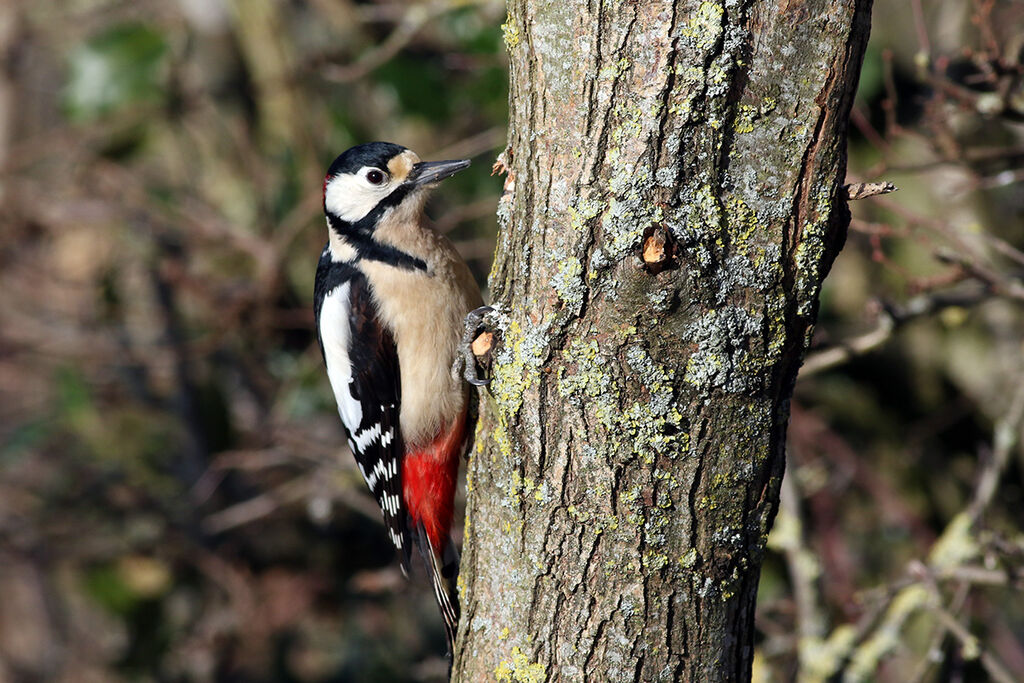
(376, 177)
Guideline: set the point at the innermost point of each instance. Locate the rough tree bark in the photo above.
(631, 445)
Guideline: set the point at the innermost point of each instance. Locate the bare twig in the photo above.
(856, 191)
(947, 622)
(889, 318)
(802, 565)
(1006, 436)
(851, 348)
(923, 44)
(1001, 284)
(416, 16)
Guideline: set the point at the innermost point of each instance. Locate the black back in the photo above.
(376, 385)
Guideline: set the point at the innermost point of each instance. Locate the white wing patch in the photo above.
(335, 333)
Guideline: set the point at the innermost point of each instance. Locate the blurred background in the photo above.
(176, 503)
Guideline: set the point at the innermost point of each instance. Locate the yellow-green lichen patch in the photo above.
(820, 659)
(510, 32)
(612, 70)
(653, 561)
(648, 427)
(525, 488)
(567, 279)
(698, 223)
(630, 500)
(748, 113)
(590, 384)
(775, 313)
(515, 485)
(630, 181)
(744, 119)
(957, 546)
(460, 585)
(886, 636)
(742, 222)
(704, 29)
(707, 210)
(500, 437)
(517, 364)
(655, 424)
(584, 211)
(689, 85)
(519, 669)
(811, 253)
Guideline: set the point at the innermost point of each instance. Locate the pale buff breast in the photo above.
(425, 313)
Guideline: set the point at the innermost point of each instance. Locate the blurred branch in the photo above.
(489, 140)
(889, 318)
(259, 506)
(947, 622)
(813, 434)
(10, 23)
(931, 655)
(413, 19)
(948, 557)
(862, 123)
(466, 212)
(845, 351)
(971, 646)
(924, 45)
(981, 576)
(293, 491)
(1002, 284)
(162, 272)
(1006, 436)
(804, 569)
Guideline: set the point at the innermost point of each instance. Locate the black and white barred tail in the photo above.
(444, 578)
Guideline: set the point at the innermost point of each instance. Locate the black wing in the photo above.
(368, 388)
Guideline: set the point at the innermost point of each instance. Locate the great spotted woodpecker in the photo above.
(390, 298)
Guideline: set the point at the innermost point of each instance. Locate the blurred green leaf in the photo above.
(870, 85)
(107, 587)
(474, 34)
(23, 439)
(417, 80)
(122, 66)
(73, 396)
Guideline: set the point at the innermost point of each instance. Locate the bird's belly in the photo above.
(425, 314)
(429, 393)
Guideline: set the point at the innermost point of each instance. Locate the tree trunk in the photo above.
(631, 445)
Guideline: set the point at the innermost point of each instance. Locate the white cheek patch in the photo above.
(350, 196)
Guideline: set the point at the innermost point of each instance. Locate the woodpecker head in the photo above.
(368, 181)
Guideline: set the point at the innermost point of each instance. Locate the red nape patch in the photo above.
(429, 475)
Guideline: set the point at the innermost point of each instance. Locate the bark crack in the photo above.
(670, 82)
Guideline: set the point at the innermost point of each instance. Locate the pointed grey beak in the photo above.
(427, 172)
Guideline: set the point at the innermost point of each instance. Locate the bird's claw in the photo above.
(465, 361)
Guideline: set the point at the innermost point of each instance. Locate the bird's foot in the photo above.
(476, 344)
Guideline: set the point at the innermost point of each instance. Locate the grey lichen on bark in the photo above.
(631, 445)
